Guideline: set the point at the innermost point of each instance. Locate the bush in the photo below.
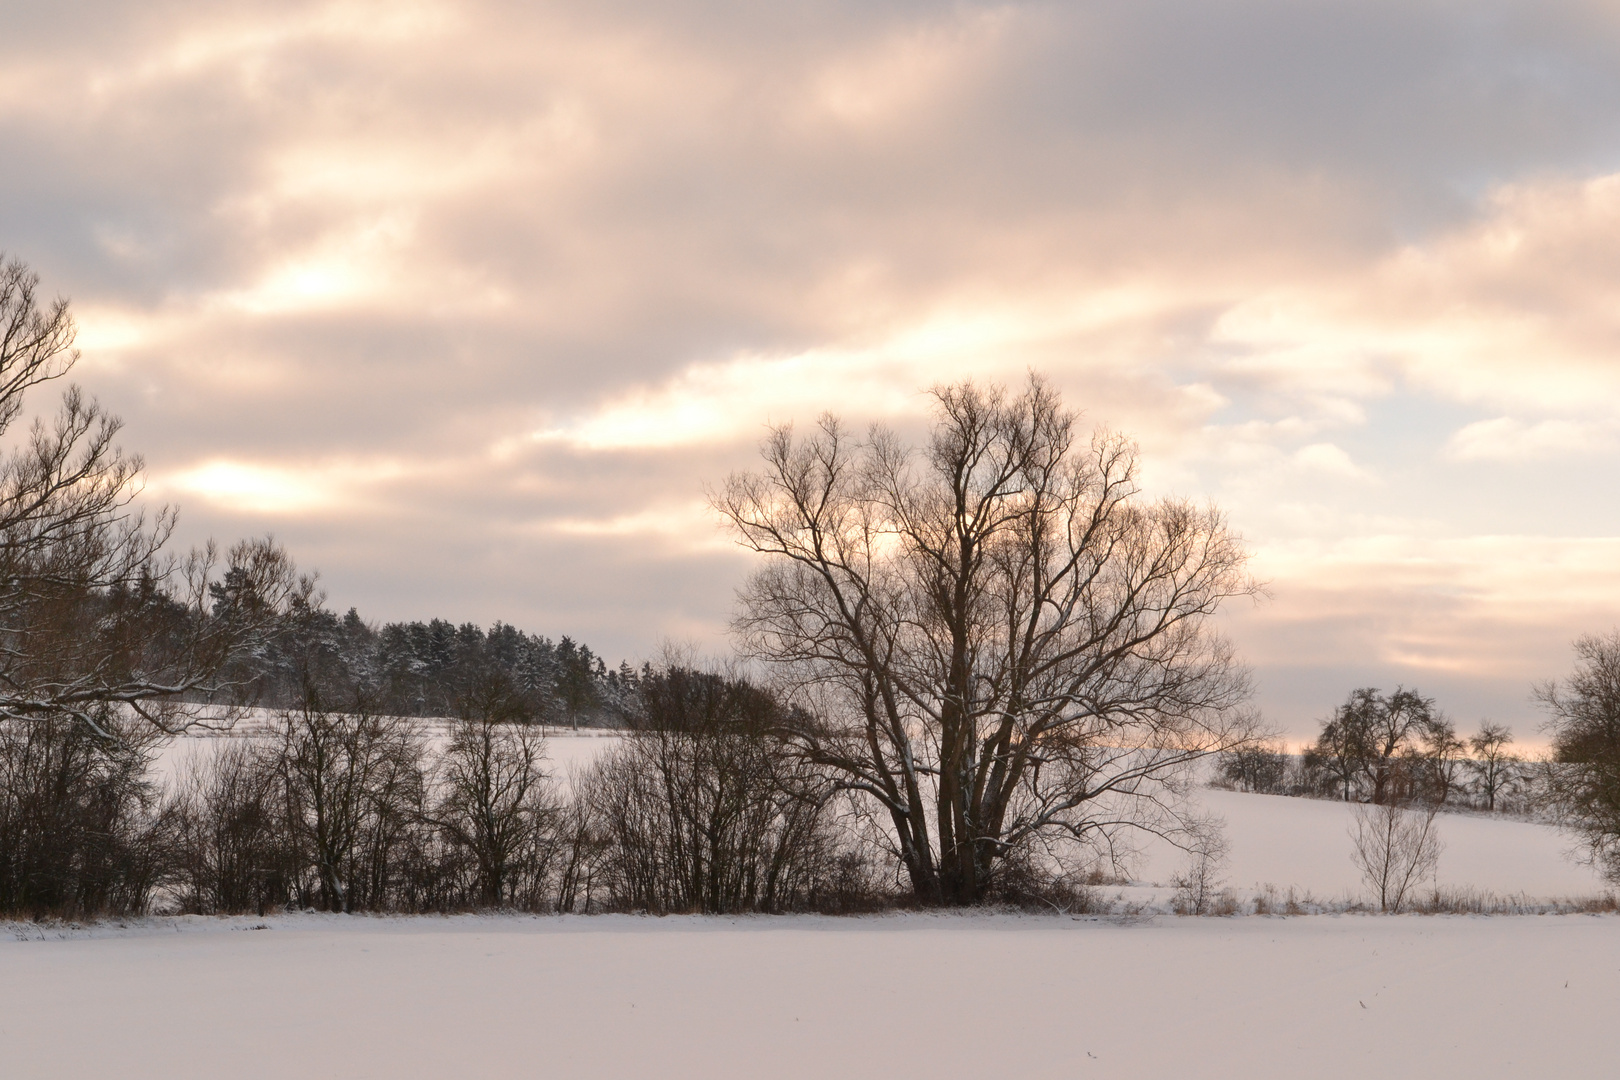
(1263, 769)
(82, 829)
(234, 851)
(1198, 886)
(703, 808)
(699, 808)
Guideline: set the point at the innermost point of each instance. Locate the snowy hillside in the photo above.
(1305, 844)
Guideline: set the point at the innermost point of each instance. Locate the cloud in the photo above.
(1513, 308)
(984, 338)
(1330, 460)
(1507, 439)
(467, 301)
(278, 491)
(1475, 621)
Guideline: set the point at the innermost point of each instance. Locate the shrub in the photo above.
(82, 829)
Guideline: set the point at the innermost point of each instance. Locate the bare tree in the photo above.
(234, 851)
(996, 638)
(92, 613)
(83, 830)
(492, 792)
(1375, 744)
(1197, 885)
(1334, 763)
(1494, 765)
(699, 807)
(1436, 763)
(1395, 849)
(579, 845)
(1262, 768)
(353, 786)
(1583, 780)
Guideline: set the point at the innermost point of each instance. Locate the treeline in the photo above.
(696, 807)
(1396, 749)
(429, 668)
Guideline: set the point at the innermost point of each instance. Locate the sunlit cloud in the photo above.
(690, 526)
(879, 84)
(1486, 617)
(106, 331)
(1515, 308)
(345, 271)
(721, 402)
(243, 45)
(275, 490)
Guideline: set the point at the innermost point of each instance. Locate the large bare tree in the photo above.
(996, 637)
(93, 614)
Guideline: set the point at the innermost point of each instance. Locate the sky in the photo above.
(467, 302)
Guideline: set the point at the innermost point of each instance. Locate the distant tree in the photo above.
(421, 668)
(1437, 762)
(620, 688)
(505, 645)
(442, 647)
(1262, 769)
(1373, 742)
(1494, 765)
(1339, 754)
(1584, 721)
(579, 676)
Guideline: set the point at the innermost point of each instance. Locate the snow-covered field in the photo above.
(937, 996)
(896, 996)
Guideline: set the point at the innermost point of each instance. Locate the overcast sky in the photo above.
(467, 302)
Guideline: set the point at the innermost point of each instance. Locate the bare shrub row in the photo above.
(696, 808)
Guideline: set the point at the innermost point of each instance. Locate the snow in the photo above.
(1305, 844)
(566, 748)
(902, 996)
(942, 996)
